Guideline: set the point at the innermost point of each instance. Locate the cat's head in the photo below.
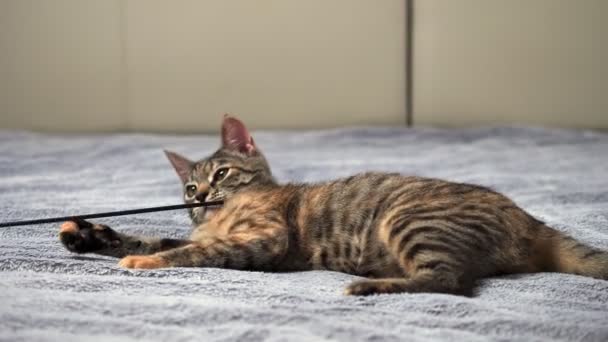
(236, 166)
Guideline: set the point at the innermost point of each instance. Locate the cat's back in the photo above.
(383, 190)
(355, 201)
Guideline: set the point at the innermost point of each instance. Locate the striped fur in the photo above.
(405, 234)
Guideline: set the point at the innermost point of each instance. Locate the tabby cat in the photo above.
(405, 234)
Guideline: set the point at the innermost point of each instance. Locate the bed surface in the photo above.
(46, 293)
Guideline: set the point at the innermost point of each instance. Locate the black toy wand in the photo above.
(110, 213)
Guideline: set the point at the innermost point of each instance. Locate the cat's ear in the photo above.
(236, 137)
(182, 165)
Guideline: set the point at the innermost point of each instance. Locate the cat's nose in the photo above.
(201, 196)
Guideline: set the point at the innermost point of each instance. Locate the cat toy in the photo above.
(109, 214)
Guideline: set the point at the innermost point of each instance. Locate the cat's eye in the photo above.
(220, 174)
(190, 190)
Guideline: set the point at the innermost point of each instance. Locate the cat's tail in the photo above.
(559, 252)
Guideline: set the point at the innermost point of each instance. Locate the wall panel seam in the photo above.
(409, 60)
(124, 68)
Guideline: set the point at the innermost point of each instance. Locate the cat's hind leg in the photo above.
(80, 236)
(435, 258)
(425, 281)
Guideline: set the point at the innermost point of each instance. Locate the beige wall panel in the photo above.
(511, 61)
(60, 65)
(275, 63)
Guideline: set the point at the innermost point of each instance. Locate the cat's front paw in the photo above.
(143, 261)
(80, 236)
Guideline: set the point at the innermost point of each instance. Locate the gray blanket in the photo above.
(47, 293)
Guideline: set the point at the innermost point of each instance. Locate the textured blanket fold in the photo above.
(46, 293)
